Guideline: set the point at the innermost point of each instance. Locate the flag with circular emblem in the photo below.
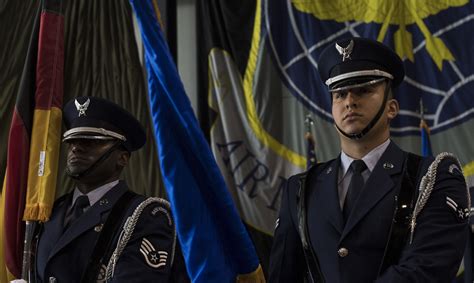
(260, 90)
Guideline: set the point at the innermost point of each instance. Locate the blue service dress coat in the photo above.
(63, 254)
(353, 252)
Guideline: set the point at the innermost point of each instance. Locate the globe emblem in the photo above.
(434, 44)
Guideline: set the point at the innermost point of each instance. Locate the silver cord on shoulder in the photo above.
(427, 185)
(127, 232)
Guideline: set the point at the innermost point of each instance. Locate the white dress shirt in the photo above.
(345, 175)
(94, 195)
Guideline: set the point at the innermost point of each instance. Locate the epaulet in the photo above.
(162, 206)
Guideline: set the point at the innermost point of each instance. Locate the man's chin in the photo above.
(353, 131)
(74, 173)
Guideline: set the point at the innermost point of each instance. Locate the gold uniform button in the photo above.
(343, 252)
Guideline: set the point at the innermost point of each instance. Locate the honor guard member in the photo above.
(101, 231)
(375, 213)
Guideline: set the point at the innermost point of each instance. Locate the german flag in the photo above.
(46, 131)
(33, 144)
(16, 175)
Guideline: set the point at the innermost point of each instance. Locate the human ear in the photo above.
(392, 109)
(123, 158)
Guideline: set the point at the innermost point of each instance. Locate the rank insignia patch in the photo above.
(461, 213)
(153, 258)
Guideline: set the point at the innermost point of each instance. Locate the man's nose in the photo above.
(351, 100)
(76, 146)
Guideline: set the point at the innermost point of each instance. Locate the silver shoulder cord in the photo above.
(127, 232)
(427, 185)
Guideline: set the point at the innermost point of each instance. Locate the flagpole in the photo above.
(28, 269)
(309, 122)
(310, 154)
(422, 110)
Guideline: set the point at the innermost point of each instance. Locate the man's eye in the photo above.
(99, 142)
(338, 95)
(363, 90)
(89, 142)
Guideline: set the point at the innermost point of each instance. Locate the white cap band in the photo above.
(364, 73)
(70, 134)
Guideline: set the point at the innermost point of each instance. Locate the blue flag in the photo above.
(215, 244)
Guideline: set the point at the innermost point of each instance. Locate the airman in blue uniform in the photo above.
(101, 231)
(375, 213)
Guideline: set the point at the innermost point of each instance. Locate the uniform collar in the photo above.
(95, 194)
(370, 158)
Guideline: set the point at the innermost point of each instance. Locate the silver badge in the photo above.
(98, 228)
(388, 165)
(153, 258)
(345, 51)
(102, 274)
(329, 170)
(82, 108)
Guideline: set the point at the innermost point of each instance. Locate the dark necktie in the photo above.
(355, 186)
(78, 209)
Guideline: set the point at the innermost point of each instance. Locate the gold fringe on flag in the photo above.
(253, 277)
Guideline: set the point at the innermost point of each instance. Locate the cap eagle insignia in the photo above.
(345, 51)
(82, 108)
